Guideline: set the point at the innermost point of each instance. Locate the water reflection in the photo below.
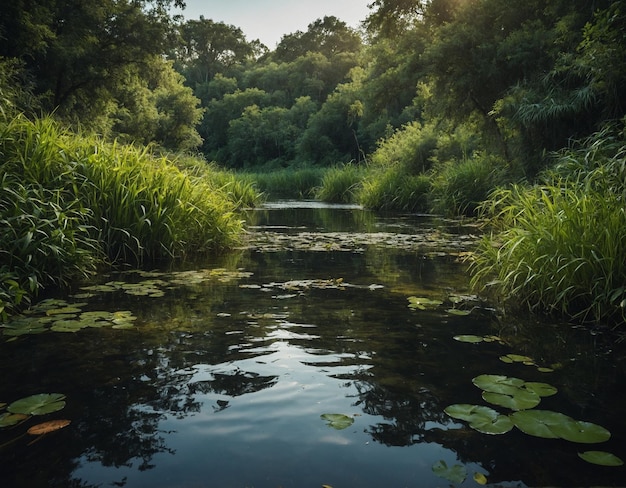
(223, 380)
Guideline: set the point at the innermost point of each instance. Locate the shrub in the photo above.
(459, 188)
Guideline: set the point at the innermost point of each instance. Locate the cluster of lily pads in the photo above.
(425, 303)
(456, 473)
(31, 406)
(156, 283)
(60, 316)
(299, 287)
(522, 397)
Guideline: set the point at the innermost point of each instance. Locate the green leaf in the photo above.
(455, 474)
(521, 400)
(9, 419)
(473, 339)
(600, 457)
(494, 426)
(483, 419)
(498, 384)
(541, 389)
(40, 404)
(539, 423)
(580, 431)
(456, 311)
(337, 421)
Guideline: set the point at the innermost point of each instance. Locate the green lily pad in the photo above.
(483, 419)
(468, 412)
(473, 339)
(600, 457)
(460, 313)
(582, 432)
(455, 474)
(494, 426)
(516, 358)
(498, 384)
(521, 400)
(40, 404)
(541, 389)
(423, 303)
(337, 421)
(539, 423)
(9, 419)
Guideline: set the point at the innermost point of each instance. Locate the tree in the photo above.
(209, 48)
(328, 36)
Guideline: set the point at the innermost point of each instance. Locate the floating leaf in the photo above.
(337, 421)
(460, 313)
(40, 404)
(468, 412)
(545, 370)
(480, 478)
(455, 474)
(473, 339)
(483, 419)
(582, 432)
(9, 419)
(46, 427)
(498, 384)
(520, 400)
(600, 457)
(516, 358)
(423, 303)
(541, 389)
(539, 423)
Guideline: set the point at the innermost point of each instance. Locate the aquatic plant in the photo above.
(560, 246)
(340, 184)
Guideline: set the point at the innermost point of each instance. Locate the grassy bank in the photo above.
(560, 246)
(69, 204)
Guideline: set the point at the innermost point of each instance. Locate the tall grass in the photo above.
(560, 247)
(287, 183)
(392, 189)
(68, 203)
(340, 184)
(460, 187)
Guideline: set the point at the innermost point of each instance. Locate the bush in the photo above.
(394, 190)
(561, 246)
(340, 184)
(459, 188)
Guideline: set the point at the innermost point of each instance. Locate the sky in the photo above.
(269, 20)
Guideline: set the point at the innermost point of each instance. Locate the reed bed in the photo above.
(560, 247)
(341, 184)
(287, 183)
(70, 203)
(392, 189)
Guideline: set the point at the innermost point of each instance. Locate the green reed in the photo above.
(288, 182)
(340, 184)
(393, 189)
(69, 203)
(560, 247)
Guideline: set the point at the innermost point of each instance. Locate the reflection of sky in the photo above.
(275, 436)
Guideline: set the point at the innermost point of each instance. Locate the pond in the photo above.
(337, 347)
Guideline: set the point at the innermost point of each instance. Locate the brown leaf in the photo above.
(49, 426)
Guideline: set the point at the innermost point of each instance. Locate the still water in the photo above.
(296, 361)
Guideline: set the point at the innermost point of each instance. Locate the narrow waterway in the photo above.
(327, 350)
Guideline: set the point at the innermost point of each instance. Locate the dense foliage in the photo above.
(433, 106)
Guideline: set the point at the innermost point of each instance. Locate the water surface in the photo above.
(224, 376)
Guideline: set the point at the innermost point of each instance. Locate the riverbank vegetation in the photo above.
(459, 107)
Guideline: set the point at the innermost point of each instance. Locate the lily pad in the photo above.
(46, 427)
(337, 421)
(498, 383)
(520, 400)
(539, 423)
(541, 389)
(582, 432)
(40, 404)
(480, 478)
(473, 339)
(455, 474)
(600, 457)
(483, 419)
(460, 313)
(9, 419)
(423, 303)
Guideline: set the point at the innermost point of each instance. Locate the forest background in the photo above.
(511, 111)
